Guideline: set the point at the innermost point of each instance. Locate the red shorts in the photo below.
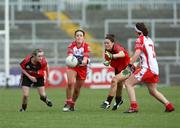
(81, 71)
(146, 76)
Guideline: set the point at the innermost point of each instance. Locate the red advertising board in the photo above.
(98, 77)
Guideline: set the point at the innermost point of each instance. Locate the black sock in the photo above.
(118, 99)
(24, 106)
(109, 99)
(43, 98)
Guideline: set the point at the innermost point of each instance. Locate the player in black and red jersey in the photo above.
(34, 72)
(117, 57)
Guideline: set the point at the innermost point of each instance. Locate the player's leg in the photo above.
(43, 96)
(129, 83)
(112, 92)
(25, 83)
(71, 79)
(118, 98)
(77, 88)
(119, 77)
(70, 105)
(152, 87)
(25, 90)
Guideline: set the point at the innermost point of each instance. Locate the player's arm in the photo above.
(131, 67)
(135, 56)
(86, 56)
(32, 78)
(70, 50)
(22, 66)
(47, 71)
(118, 55)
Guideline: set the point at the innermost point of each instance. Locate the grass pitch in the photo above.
(88, 113)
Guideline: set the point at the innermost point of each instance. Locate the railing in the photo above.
(151, 21)
(60, 5)
(55, 50)
(34, 24)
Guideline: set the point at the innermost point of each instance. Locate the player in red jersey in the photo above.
(148, 72)
(34, 70)
(117, 57)
(76, 76)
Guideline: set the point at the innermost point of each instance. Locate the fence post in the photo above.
(55, 53)
(83, 13)
(109, 4)
(167, 71)
(33, 32)
(177, 51)
(106, 27)
(175, 13)
(153, 29)
(129, 14)
(59, 9)
(12, 15)
(19, 5)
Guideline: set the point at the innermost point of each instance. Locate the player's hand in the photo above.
(109, 55)
(106, 63)
(83, 63)
(33, 79)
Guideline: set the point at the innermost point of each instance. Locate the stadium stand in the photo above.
(35, 29)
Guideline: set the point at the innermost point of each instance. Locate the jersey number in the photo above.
(154, 54)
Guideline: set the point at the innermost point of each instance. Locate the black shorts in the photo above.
(116, 72)
(25, 81)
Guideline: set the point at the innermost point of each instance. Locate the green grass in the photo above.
(88, 114)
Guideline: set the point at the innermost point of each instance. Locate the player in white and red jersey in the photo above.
(147, 73)
(76, 76)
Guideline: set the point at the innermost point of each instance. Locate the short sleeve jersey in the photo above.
(118, 63)
(147, 55)
(79, 52)
(36, 70)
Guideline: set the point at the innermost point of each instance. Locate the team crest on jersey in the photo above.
(79, 51)
(28, 67)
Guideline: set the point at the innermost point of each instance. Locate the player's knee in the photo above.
(25, 96)
(114, 81)
(128, 83)
(152, 93)
(71, 84)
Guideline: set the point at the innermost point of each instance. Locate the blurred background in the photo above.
(50, 25)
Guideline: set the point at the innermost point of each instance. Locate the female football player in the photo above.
(148, 72)
(34, 70)
(76, 76)
(117, 57)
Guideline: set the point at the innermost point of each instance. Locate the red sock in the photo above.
(169, 106)
(70, 102)
(134, 105)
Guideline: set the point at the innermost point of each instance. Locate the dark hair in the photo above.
(79, 30)
(36, 51)
(111, 37)
(142, 27)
